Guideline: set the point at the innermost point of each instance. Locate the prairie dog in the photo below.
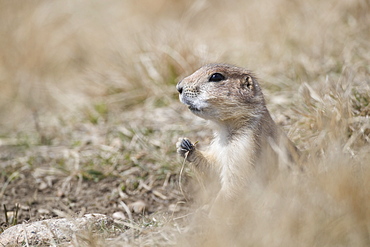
(247, 142)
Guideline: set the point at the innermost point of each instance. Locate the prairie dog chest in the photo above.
(233, 159)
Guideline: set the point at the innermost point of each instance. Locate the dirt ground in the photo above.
(75, 197)
(106, 171)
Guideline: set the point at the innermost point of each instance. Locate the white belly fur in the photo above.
(234, 161)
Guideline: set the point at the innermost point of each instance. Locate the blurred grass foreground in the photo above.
(89, 114)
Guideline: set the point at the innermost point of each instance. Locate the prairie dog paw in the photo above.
(184, 145)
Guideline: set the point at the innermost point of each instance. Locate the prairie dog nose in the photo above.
(179, 87)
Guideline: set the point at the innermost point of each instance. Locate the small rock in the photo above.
(43, 186)
(116, 143)
(138, 206)
(43, 211)
(118, 216)
(174, 208)
(52, 230)
(24, 207)
(60, 193)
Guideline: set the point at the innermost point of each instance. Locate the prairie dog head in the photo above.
(222, 92)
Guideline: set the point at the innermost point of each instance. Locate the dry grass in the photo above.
(87, 91)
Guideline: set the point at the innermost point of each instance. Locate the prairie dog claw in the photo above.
(184, 145)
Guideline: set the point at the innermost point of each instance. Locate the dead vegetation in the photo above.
(90, 116)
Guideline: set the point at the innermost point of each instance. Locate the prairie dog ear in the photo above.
(248, 83)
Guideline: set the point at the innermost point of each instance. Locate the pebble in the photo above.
(138, 206)
(43, 211)
(119, 215)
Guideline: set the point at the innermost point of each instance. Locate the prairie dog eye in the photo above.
(216, 77)
(249, 82)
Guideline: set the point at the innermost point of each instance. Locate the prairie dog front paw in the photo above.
(184, 146)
